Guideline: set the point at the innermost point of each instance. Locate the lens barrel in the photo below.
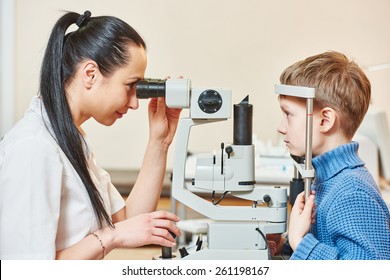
(150, 88)
(242, 129)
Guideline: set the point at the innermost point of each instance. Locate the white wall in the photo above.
(242, 45)
(6, 66)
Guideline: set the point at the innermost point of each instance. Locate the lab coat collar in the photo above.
(37, 107)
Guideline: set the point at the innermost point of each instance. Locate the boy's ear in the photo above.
(328, 119)
(90, 72)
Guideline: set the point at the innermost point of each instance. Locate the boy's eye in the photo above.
(132, 85)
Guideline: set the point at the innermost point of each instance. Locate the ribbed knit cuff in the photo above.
(305, 247)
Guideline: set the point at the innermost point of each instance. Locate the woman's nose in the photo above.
(133, 102)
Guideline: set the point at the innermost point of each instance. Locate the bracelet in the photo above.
(101, 243)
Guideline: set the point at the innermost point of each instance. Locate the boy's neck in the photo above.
(331, 142)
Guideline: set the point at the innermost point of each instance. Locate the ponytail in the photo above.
(62, 55)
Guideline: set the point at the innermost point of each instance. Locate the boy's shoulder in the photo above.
(355, 186)
(357, 179)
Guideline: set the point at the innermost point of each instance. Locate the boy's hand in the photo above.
(301, 217)
(276, 242)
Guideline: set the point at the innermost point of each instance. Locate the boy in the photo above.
(351, 219)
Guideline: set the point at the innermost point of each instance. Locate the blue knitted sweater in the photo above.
(352, 220)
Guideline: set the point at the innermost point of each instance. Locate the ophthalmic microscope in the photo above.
(234, 232)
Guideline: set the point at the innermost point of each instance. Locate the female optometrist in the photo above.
(55, 202)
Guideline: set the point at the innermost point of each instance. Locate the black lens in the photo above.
(149, 88)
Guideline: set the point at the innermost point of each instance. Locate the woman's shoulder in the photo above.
(29, 133)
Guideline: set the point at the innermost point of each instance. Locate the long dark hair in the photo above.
(105, 40)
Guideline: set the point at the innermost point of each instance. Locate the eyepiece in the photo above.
(149, 88)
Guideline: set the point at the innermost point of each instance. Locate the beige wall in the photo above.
(242, 45)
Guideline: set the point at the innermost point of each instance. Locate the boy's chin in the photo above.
(297, 156)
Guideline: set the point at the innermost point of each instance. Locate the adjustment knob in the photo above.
(229, 150)
(210, 101)
(266, 198)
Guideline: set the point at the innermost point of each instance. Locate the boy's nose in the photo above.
(282, 128)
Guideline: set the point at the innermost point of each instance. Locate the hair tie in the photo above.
(82, 18)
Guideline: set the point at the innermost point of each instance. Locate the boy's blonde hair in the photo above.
(339, 82)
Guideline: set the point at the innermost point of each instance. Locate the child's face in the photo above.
(293, 123)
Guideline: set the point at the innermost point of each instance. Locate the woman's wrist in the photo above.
(104, 253)
(107, 239)
(157, 146)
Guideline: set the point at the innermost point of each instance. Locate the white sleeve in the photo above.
(112, 198)
(117, 201)
(30, 184)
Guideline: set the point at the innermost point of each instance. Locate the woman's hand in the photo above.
(162, 121)
(145, 229)
(301, 217)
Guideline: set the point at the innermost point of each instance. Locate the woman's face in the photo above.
(116, 94)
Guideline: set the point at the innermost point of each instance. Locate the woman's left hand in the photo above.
(163, 121)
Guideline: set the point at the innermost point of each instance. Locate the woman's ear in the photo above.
(90, 72)
(328, 118)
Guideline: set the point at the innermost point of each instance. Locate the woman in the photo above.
(55, 201)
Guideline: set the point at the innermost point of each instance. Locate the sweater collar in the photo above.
(332, 162)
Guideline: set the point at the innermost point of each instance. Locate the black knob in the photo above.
(266, 198)
(210, 101)
(229, 150)
(166, 252)
(183, 252)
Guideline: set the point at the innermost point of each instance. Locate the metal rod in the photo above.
(296, 173)
(308, 146)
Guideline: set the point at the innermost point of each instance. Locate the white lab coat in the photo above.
(44, 206)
